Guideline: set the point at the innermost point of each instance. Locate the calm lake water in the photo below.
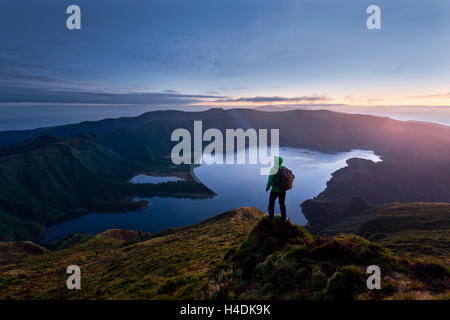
(235, 185)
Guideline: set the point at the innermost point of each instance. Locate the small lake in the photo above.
(235, 185)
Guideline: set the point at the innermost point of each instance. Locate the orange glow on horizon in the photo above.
(431, 100)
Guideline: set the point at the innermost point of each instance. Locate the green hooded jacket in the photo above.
(273, 175)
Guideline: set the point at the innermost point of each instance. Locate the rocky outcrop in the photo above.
(322, 213)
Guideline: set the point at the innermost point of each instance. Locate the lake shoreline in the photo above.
(227, 181)
(128, 204)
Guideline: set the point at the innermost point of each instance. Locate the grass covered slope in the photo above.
(127, 265)
(236, 255)
(11, 252)
(44, 177)
(417, 228)
(284, 261)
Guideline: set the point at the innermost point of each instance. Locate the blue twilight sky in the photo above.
(225, 52)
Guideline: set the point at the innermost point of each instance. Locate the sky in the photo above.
(225, 53)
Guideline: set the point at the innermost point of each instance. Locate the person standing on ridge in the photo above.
(280, 180)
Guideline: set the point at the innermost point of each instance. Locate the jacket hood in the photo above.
(279, 160)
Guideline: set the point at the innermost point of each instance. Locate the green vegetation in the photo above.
(283, 261)
(48, 180)
(413, 228)
(130, 265)
(236, 255)
(11, 252)
(346, 283)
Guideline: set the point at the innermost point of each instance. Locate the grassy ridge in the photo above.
(283, 261)
(417, 228)
(237, 255)
(127, 265)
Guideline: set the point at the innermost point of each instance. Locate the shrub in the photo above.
(431, 271)
(171, 285)
(346, 283)
(266, 238)
(318, 280)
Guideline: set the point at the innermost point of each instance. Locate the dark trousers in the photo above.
(281, 198)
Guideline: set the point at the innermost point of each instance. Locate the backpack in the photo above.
(285, 179)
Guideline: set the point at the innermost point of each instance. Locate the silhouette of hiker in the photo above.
(280, 180)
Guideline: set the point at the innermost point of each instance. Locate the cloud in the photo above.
(437, 95)
(16, 94)
(28, 82)
(277, 99)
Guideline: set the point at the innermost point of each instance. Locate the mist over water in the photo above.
(235, 185)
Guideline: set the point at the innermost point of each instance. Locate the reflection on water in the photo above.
(235, 185)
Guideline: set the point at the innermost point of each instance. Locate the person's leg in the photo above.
(272, 198)
(281, 201)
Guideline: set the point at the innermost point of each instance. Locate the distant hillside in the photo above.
(320, 130)
(44, 180)
(416, 156)
(235, 255)
(401, 180)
